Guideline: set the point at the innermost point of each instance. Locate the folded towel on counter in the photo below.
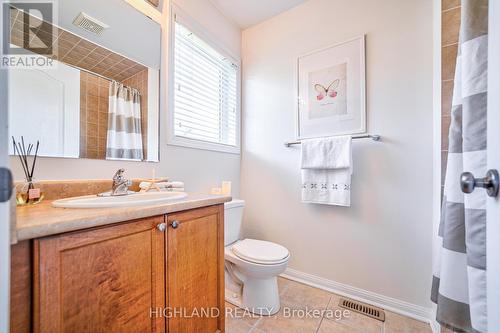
(145, 185)
(326, 171)
(165, 189)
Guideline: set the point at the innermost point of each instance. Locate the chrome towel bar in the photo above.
(374, 137)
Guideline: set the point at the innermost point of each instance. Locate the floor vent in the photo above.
(367, 310)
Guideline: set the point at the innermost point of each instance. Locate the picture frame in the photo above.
(331, 90)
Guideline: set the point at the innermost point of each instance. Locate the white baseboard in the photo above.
(435, 326)
(388, 303)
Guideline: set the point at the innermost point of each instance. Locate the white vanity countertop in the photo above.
(44, 220)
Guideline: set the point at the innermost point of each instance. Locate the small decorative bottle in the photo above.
(28, 193)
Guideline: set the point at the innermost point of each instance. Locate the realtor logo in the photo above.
(28, 34)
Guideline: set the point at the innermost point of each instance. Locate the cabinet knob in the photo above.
(175, 224)
(162, 227)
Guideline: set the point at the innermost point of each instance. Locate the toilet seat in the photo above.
(260, 252)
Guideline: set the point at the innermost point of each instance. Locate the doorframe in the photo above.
(436, 102)
(436, 131)
(4, 208)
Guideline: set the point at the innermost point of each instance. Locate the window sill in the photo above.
(203, 145)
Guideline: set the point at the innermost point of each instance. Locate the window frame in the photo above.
(177, 15)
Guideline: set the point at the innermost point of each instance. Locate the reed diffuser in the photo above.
(28, 193)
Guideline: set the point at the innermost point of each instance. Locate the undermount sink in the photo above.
(136, 199)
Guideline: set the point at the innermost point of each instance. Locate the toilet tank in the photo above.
(233, 216)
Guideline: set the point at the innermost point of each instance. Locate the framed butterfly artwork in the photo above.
(331, 90)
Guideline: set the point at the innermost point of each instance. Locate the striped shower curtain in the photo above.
(459, 281)
(124, 139)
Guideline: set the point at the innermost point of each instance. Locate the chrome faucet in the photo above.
(120, 184)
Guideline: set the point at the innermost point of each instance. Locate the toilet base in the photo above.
(259, 296)
(233, 298)
(253, 286)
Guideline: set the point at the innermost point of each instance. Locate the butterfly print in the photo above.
(330, 91)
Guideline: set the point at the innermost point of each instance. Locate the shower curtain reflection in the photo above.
(124, 137)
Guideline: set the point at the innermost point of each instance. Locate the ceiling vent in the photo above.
(89, 23)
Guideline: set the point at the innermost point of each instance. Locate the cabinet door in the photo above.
(195, 270)
(108, 279)
(20, 287)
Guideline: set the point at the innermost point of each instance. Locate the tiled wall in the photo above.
(450, 21)
(74, 50)
(139, 81)
(94, 101)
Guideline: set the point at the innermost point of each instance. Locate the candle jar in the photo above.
(28, 193)
(226, 188)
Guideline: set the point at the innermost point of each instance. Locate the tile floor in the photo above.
(295, 295)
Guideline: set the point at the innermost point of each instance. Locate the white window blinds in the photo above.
(206, 91)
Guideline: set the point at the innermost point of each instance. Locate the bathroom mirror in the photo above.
(97, 93)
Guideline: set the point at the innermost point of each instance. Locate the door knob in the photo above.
(175, 224)
(491, 182)
(162, 227)
(6, 184)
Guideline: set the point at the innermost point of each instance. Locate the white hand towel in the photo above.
(326, 171)
(165, 189)
(326, 153)
(144, 185)
(173, 184)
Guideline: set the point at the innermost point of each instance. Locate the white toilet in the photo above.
(252, 266)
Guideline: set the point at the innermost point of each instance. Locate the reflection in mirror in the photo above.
(92, 103)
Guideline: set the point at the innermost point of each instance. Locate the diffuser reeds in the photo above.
(29, 195)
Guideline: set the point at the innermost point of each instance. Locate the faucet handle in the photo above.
(120, 184)
(118, 174)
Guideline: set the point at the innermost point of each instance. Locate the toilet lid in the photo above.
(259, 251)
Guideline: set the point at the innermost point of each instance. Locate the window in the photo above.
(205, 94)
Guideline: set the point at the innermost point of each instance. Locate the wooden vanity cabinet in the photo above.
(101, 280)
(158, 274)
(195, 270)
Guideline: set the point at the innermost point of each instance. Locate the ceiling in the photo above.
(246, 13)
(72, 49)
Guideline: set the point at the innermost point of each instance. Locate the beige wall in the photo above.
(382, 243)
(199, 169)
